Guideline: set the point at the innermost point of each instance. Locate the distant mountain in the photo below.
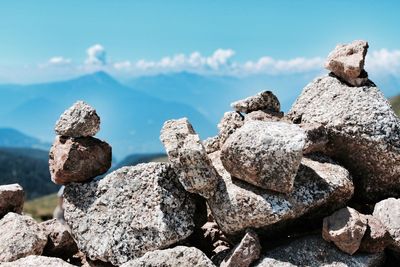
(12, 138)
(395, 101)
(131, 119)
(28, 167)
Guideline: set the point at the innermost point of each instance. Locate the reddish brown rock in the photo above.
(11, 199)
(78, 159)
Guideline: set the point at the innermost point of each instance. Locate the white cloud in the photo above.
(96, 55)
(123, 65)
(383, 61)
(270, 65)
(59, 61)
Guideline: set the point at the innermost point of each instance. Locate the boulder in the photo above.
(347, 62)
(320, 185)
(265, 154)
(345, 228)
(264, 100)
(314, 251)
(11, 199)
(189, 157)
(78, 159)
(261, 115)
(363, 133)
(316, 137)
(245, 253)
(228, 124)
(80, 120)
(376, 238)
(129, 212)
(20, 236)
(37, 261)
(60, 243)
(388, 213)
(173, 257)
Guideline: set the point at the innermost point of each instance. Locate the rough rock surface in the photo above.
(347, 62)
(78, 159)
(363, 131)
(260, 115)
(80, 120)
(313, 251)
(265, 101)
(173, 257)
(211, 144)
(60, 242)
(189, 157)
(376, 238)
(37, 261)
(345, 228)
(316, 137)
(228, 124)
(388, 213)
(20, 236)
(245, 253)
(11, 199)
(319, 184)
(131, 211)
(265, 154)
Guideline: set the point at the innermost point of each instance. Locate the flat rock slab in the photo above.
(37, 261)
(78, 159)
(80, 120)
(11, 199)
(131, 211)
(265, 154)
(363, 132)
(313, 251)
(173, 257)
(265, 101)
(20, 236)
(319, 185)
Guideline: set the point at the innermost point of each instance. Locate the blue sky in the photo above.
(45, 40)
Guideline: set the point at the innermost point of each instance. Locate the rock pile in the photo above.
(276, 189)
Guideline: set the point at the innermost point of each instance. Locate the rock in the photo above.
(316, 138)
(363, 133)
(245, 253)
(264, 100)
(211, 144)
(11, 199)
(37, 261)
(376, 238)
(78, 159)
(20, 236)
(129, 212)
(228, 124)
(347, 62)
(265, 154)
(260, 115)
(345, 228)
(388, 213)
(313, 251)
(173, 257)
(319, 185)
(80, 120)
(60, 243)
(188, 156)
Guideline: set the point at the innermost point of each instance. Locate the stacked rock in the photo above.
(76, 156)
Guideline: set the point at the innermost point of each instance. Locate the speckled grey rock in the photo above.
(211, 144)
(60, 243)
(20, 236)
(189, 158)
(131, 211)
(363, 132)
(313, 251)
(319, 185)
(37, 261)
(345, 228)
(265, 154)
(347, 62)
(11, 199)
(228, 124)
(388, 213)
(244, 253)
(80, 120)
(78, 159)
(173, 257)
(264, 100)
